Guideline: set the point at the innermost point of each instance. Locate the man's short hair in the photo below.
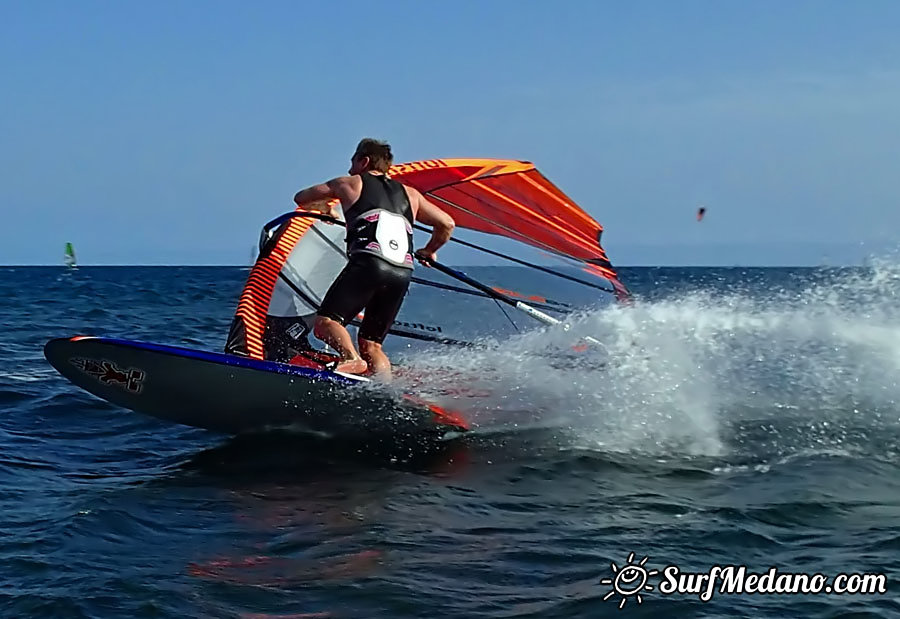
(378, 152)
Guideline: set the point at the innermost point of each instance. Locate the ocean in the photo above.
(739, 419)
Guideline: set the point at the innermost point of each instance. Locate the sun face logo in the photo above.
(630, 580)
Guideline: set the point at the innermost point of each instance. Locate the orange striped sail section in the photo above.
(254, 302)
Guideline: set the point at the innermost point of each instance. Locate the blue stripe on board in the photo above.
(232, 360)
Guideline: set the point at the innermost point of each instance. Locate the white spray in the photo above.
(679, 373)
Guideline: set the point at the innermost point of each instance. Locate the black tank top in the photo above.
(380, 221)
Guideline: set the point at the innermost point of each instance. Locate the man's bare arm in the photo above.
(441, 223)
(319, 198)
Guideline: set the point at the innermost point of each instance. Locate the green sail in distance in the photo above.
(70, 256)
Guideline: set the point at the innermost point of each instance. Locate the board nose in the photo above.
(56, 351)
(53, 351)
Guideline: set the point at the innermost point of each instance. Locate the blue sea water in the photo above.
(737, 417)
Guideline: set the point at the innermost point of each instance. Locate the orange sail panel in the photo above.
(512, 199)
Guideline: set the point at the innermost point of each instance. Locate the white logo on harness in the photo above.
(390, 232)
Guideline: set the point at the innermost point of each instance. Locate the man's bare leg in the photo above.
(336, 335)
(378, 362)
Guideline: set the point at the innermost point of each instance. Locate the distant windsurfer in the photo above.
(379, 214)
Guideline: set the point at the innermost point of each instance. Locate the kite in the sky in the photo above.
(700, 213)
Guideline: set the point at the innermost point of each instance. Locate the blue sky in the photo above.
(168, 132)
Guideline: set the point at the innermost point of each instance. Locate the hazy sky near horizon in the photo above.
(169, 132)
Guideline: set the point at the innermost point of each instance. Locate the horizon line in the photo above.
(462, 266)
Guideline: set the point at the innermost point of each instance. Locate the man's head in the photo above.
(371, 155)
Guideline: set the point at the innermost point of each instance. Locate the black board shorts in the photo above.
(370, 283)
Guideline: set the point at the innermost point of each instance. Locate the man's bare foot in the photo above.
(352, 366)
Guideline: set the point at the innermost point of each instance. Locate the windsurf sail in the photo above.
(300, 254)
(69, 256)
(513, 199)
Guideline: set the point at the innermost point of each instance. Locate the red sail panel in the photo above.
(514, 200)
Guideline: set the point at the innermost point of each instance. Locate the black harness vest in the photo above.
(380, 221)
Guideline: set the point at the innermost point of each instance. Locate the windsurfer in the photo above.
(379, 214)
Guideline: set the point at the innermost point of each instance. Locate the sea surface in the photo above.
(734, 417)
